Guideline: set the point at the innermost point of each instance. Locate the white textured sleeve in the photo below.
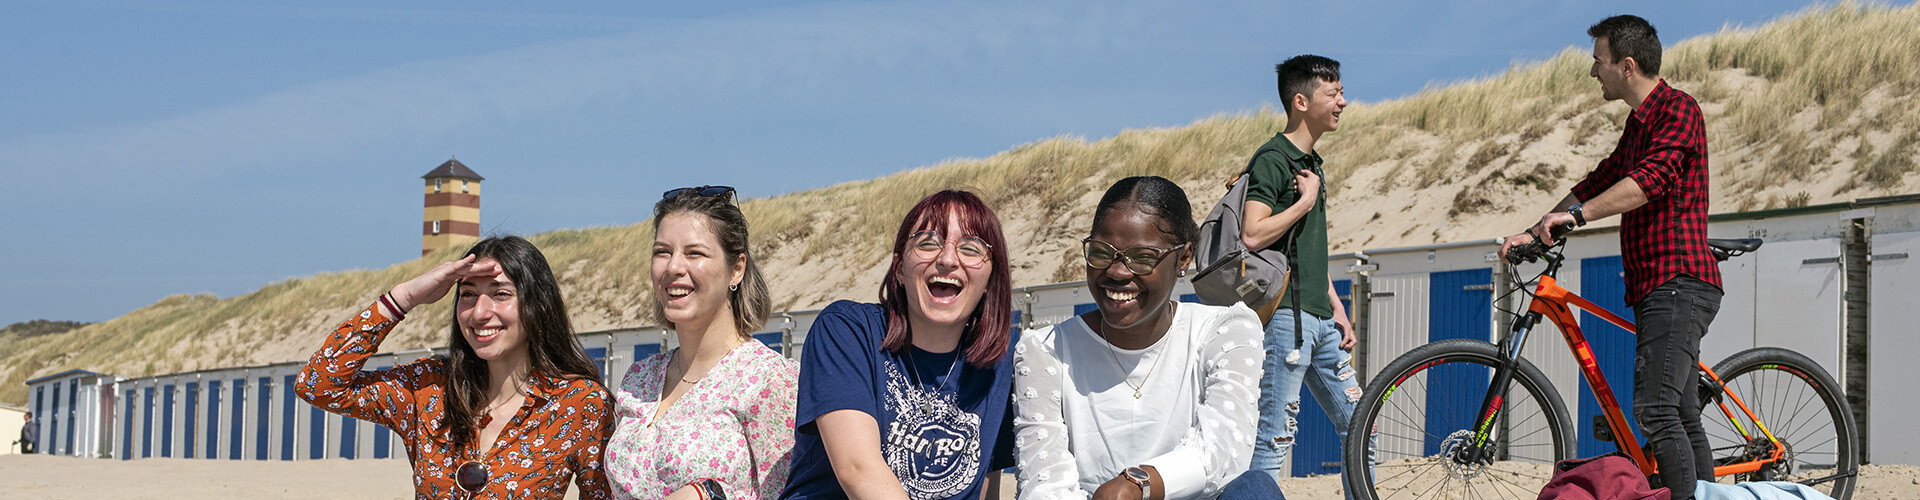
(1047, 467)
(1220, 446)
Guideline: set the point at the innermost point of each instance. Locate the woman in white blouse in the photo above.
(712, 418)
(1144, 397)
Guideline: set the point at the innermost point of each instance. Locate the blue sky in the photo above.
(159, 147)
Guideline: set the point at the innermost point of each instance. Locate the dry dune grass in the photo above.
(1812, 108)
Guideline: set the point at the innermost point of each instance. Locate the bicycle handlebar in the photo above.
(1530, 252)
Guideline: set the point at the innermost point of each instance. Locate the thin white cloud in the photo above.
(477, 17)
(419, 101)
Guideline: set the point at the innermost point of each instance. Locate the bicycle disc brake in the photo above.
(1452, 450)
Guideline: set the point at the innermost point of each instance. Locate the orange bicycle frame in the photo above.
(1552, 302)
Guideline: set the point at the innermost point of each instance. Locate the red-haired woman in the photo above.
(908, 398)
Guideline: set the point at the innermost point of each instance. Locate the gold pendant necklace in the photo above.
(516, 392)
(1138, 390)
(667, 374)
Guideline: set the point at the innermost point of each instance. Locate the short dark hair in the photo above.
(1301, 74)
(990, 331)
(1630, 36)
(751, 302)
(1155, 196)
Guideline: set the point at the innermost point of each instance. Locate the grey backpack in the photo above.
(1229, 272)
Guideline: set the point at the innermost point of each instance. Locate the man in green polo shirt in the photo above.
(1284, 190)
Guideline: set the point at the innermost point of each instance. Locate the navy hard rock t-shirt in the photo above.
(944, 426)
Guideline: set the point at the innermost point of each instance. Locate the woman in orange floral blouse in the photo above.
(514, 410)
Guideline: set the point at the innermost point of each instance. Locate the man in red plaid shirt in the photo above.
(1657, 178)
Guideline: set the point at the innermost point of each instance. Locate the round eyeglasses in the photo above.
(1141, 260)
(928, 244)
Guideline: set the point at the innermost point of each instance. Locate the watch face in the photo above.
(1138, 475)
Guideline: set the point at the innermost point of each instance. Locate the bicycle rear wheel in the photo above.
(1802, 406)
(1421, 409)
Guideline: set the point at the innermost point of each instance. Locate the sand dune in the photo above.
(1468, 160)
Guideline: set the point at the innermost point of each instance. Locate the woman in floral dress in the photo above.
(712, 418)
(514, 409)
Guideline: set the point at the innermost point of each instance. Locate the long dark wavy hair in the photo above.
(990, 330)
(551, 347)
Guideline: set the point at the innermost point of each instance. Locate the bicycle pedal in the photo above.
(1601, 430)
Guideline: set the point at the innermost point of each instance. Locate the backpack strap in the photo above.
(1256, 158)
(1249, 171)
(1292, 232)
(1291, 249)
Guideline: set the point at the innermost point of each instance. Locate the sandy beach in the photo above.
(54, 477)
(51, 477)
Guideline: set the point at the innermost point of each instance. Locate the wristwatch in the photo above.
(1140, 477)
(1579, 219)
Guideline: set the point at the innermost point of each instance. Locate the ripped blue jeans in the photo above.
(1326, 371)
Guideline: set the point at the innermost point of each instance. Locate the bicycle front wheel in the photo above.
(1421, 410)
(1797, 402)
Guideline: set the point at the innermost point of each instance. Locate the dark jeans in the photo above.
(1252, 484)
(1671, 320)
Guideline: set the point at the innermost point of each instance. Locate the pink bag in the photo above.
(1606, 477)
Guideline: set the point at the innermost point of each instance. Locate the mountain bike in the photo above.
(1771, 414)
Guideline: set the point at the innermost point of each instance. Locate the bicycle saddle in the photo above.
(1728, 248)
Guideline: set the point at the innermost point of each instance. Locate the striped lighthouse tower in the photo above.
(453, 207)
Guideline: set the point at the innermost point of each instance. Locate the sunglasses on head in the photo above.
(471, 477)
(708, 191)
(1141, 259)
